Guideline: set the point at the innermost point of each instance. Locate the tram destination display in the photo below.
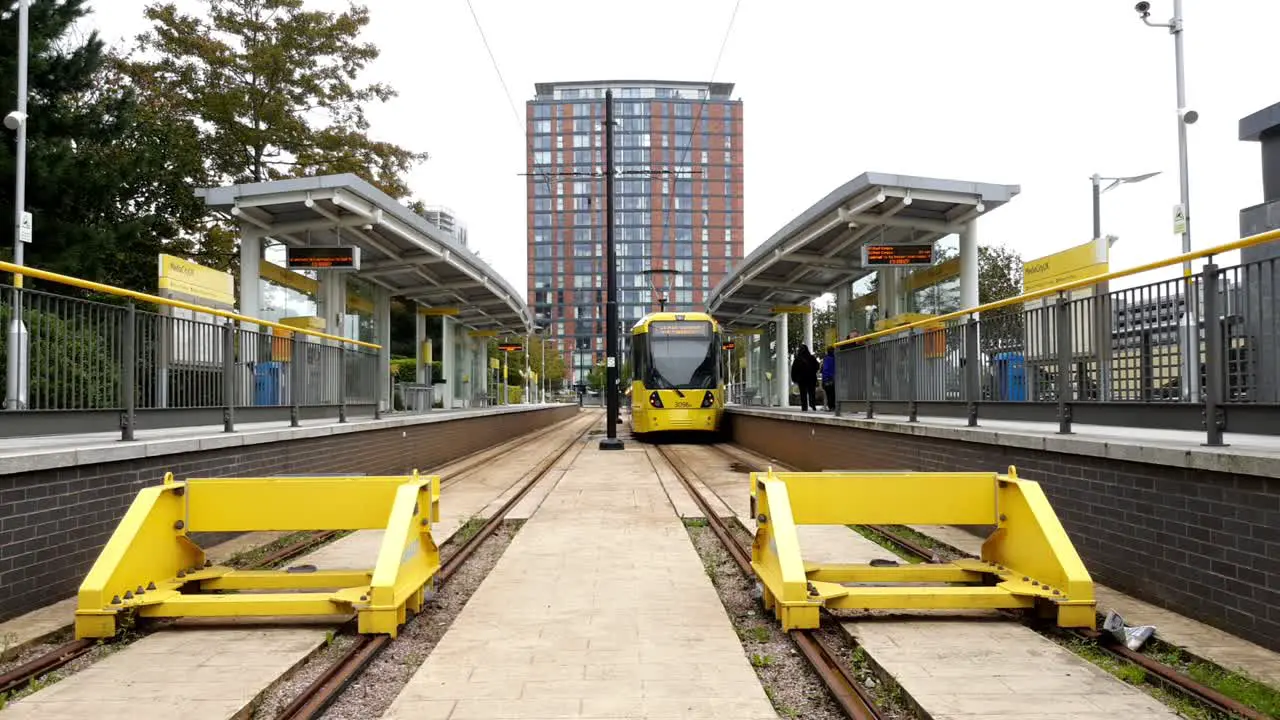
(323, 258)
(680, 329)
(896, 255)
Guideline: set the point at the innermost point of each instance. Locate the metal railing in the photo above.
(1196, 353)
(147, 362)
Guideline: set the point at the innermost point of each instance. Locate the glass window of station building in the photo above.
(678, 159)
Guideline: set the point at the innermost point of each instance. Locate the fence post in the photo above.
(870, 362)
(129, 371)
(297, 383)
(1214, 421)
(973, 368)
(229, 376)
(1063, 323)
(342, 384)
(913, 366)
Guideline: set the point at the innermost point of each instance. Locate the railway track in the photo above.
(325, 689)
(1157, 672)
(20, 676)
(59, 656)
(854, 699)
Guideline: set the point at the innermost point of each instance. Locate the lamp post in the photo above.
(19, 342)
(1102, 304)
(1185, 116)
(1190, 329)
(610, 441)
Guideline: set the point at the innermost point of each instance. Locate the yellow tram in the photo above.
(676, 384)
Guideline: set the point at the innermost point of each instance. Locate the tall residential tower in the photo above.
(677, 203)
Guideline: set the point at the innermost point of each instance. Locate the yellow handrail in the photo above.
(1245, 242)
(29, 271)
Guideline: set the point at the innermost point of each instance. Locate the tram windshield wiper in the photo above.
(657, 375)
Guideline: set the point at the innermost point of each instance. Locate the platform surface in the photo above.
(600, 608)
(969, 668)
(1247, 454)
(200, 666)
(27, 454)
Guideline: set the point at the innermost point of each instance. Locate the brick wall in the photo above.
(55, 522)
(1205, 544)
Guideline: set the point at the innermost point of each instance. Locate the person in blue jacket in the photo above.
(829, 378)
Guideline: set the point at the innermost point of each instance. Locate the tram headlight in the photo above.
(708, 400)
(655, 400)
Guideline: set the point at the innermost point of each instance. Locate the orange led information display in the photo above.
(510, 347)
(680, 329)
(323, 258)
(881, 255)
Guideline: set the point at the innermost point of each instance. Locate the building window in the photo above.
(559, 142)
(542, 111)
(542, 158)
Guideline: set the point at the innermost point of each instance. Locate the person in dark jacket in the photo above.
(829, 378)
(804, 373)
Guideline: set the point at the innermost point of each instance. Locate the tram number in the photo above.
(683, 404)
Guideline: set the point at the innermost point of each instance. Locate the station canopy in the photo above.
(821, 249)
(399, 250)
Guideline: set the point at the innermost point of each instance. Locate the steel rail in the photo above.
(845, 689)
(325, 689)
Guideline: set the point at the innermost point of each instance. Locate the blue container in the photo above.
(1010, 376)
(268, 384)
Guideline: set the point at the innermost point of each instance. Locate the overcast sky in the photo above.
(1038, 94)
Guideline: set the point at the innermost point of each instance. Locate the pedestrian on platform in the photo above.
(804, 373)
(829, 378)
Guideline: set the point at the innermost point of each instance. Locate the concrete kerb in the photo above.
(16, 462)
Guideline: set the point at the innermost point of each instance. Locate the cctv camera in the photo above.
(1143, 8)
(1190, 116)
(14, 120)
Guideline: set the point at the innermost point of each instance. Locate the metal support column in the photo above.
(228, 376)
(969, 265)
(18, 370)
(419, 345)
(382, 325)
(972, 369)
(781, 372)
(844, 310)
(808, 329)
(1062, 323)
(1214, 366)
(447, 370)
(129, 371)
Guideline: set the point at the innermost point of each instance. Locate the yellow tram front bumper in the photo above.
(651, 419)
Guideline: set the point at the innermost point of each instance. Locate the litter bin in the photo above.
(418, 397)
(268, 384)
(1011, 376)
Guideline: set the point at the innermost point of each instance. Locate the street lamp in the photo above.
(1098, 190)
(19, 342)
(1185, 116)
(610, 441)
(1103, 293)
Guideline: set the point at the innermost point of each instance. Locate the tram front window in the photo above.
(681, 356)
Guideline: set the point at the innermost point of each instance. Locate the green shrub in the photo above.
(74, 365)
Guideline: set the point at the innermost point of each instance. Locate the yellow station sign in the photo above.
(1076, 263)
(197, 281)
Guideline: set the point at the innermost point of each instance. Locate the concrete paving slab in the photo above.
(599, 589)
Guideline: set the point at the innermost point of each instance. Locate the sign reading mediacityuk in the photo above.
(199, 283)
(314, 257)
(1076, 263)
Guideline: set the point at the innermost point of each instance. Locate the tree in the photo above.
(824, 317)
(1000, 277)
(109, 177)
(273, 87)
